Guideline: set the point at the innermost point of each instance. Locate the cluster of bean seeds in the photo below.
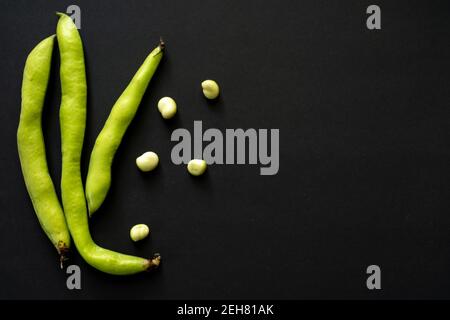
(149, 160)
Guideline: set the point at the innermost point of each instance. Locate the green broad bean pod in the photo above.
(73, 122)
(31, 147)
(98, 179)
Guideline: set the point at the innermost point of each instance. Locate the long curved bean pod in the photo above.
(99, 174)
(73, 122)
(31, 147)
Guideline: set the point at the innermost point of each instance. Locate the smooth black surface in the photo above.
(364, 149)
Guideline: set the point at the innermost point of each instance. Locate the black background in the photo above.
(364, 149)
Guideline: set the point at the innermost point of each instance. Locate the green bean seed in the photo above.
(210, 89)
(99, 174)
(147, 161)
(73, 122)
(196, 167)
(167, 107)
(139, 232)
(30, 143)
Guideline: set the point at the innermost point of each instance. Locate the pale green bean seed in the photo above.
(139, 232)
(210, 89)
(147, 161)
(196, 167)
(168, 107)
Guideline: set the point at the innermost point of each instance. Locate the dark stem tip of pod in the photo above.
(154, 262)
(162, 45)
(63, 251)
